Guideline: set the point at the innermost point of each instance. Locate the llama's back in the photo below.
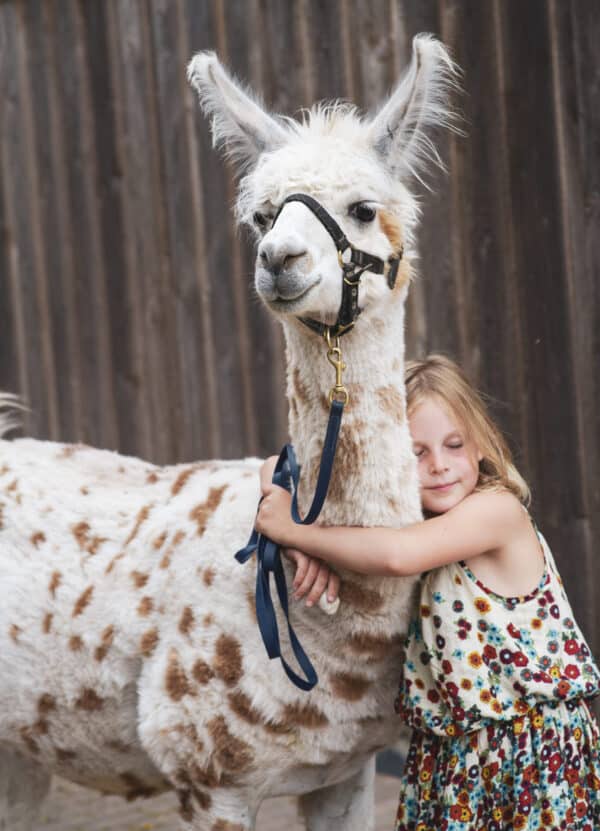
(90, 543)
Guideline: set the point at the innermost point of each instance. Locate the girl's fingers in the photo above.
(309, 578)
(333, 586)
(318, 586)
(302, 563)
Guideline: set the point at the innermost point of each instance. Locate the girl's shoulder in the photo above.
(498, 506)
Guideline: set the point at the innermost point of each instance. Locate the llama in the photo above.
(130, 658)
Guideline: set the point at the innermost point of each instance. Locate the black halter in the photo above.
(352, 268)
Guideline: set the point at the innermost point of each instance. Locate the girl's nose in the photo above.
(437, 463)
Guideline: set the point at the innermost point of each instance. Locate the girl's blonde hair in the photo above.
(440, 377)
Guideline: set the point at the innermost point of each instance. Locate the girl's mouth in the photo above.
(442, 488)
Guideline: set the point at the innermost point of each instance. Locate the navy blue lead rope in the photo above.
(287, 475)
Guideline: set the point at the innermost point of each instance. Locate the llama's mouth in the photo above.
(289, 305)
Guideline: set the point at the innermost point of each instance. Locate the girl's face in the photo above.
(448, 461)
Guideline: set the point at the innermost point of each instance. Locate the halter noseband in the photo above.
(352, 267)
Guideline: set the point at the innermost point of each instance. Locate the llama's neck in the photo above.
(374, 480)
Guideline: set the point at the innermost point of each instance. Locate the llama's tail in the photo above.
(10, 408)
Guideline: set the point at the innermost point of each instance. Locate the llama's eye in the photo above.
(261, 220)
(362, 211)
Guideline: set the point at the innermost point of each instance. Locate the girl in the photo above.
(497, 675)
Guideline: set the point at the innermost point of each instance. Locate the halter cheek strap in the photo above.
(353, 267)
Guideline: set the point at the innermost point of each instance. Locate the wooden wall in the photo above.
(127, 315)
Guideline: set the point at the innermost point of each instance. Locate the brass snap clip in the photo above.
(334, 356)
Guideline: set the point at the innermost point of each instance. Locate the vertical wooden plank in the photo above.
(183, 196)
(149, 277)
(78, 159)
(15, 181)
(118, 310)
(54, 267)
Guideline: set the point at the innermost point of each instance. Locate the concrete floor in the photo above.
(72, 808)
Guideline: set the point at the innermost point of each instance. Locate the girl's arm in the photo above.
(481, 522)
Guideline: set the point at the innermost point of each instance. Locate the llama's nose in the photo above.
(277, 258)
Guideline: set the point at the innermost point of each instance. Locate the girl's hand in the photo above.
(313, 576)
(274, 518)
(266, 472)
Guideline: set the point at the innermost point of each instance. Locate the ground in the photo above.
(71, 808)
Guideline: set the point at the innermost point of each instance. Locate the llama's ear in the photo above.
(399, 131)
(238, 121)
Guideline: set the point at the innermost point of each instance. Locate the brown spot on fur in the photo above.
(12, 486)
(391, 401)
(64, 755)
(390, 225)
(85, 491)
(227, 663)
(40, 728)
(83, 601)
(135, 787)
(75, 643)
(252, 604)
(230, 752)
(139, 579)
(349, 687)
(166, 560)
(202, 672)
(240, 704)
(208, 619)
(204, 800)
(158, 542)
(225, 825)
(148, 642)
(1, 515)
(89, 700)
(107, 640)
(80, 532)
(304, 715)
(299, 389)
(54, 582)
(372, 647)
(145, 606)
(362, 599)
(186, 809)
(46, 703)
(208, 576)
(151, 478)
(206, 776)
(186, 621)
(38, 538)
(141, 517)
(114, 560)
(182, 479)
(28, 740)
(47, 623)
(202, 512)
(14, 631)
(351, 454)
(176, 682)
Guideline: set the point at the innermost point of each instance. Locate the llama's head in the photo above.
(357, 168)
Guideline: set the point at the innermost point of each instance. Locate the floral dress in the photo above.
(497, 690)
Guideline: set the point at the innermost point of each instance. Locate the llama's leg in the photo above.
(220, 809)
(347, 806)
(23, 786)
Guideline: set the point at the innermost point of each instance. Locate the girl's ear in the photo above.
(238, 120)
(399, 131)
